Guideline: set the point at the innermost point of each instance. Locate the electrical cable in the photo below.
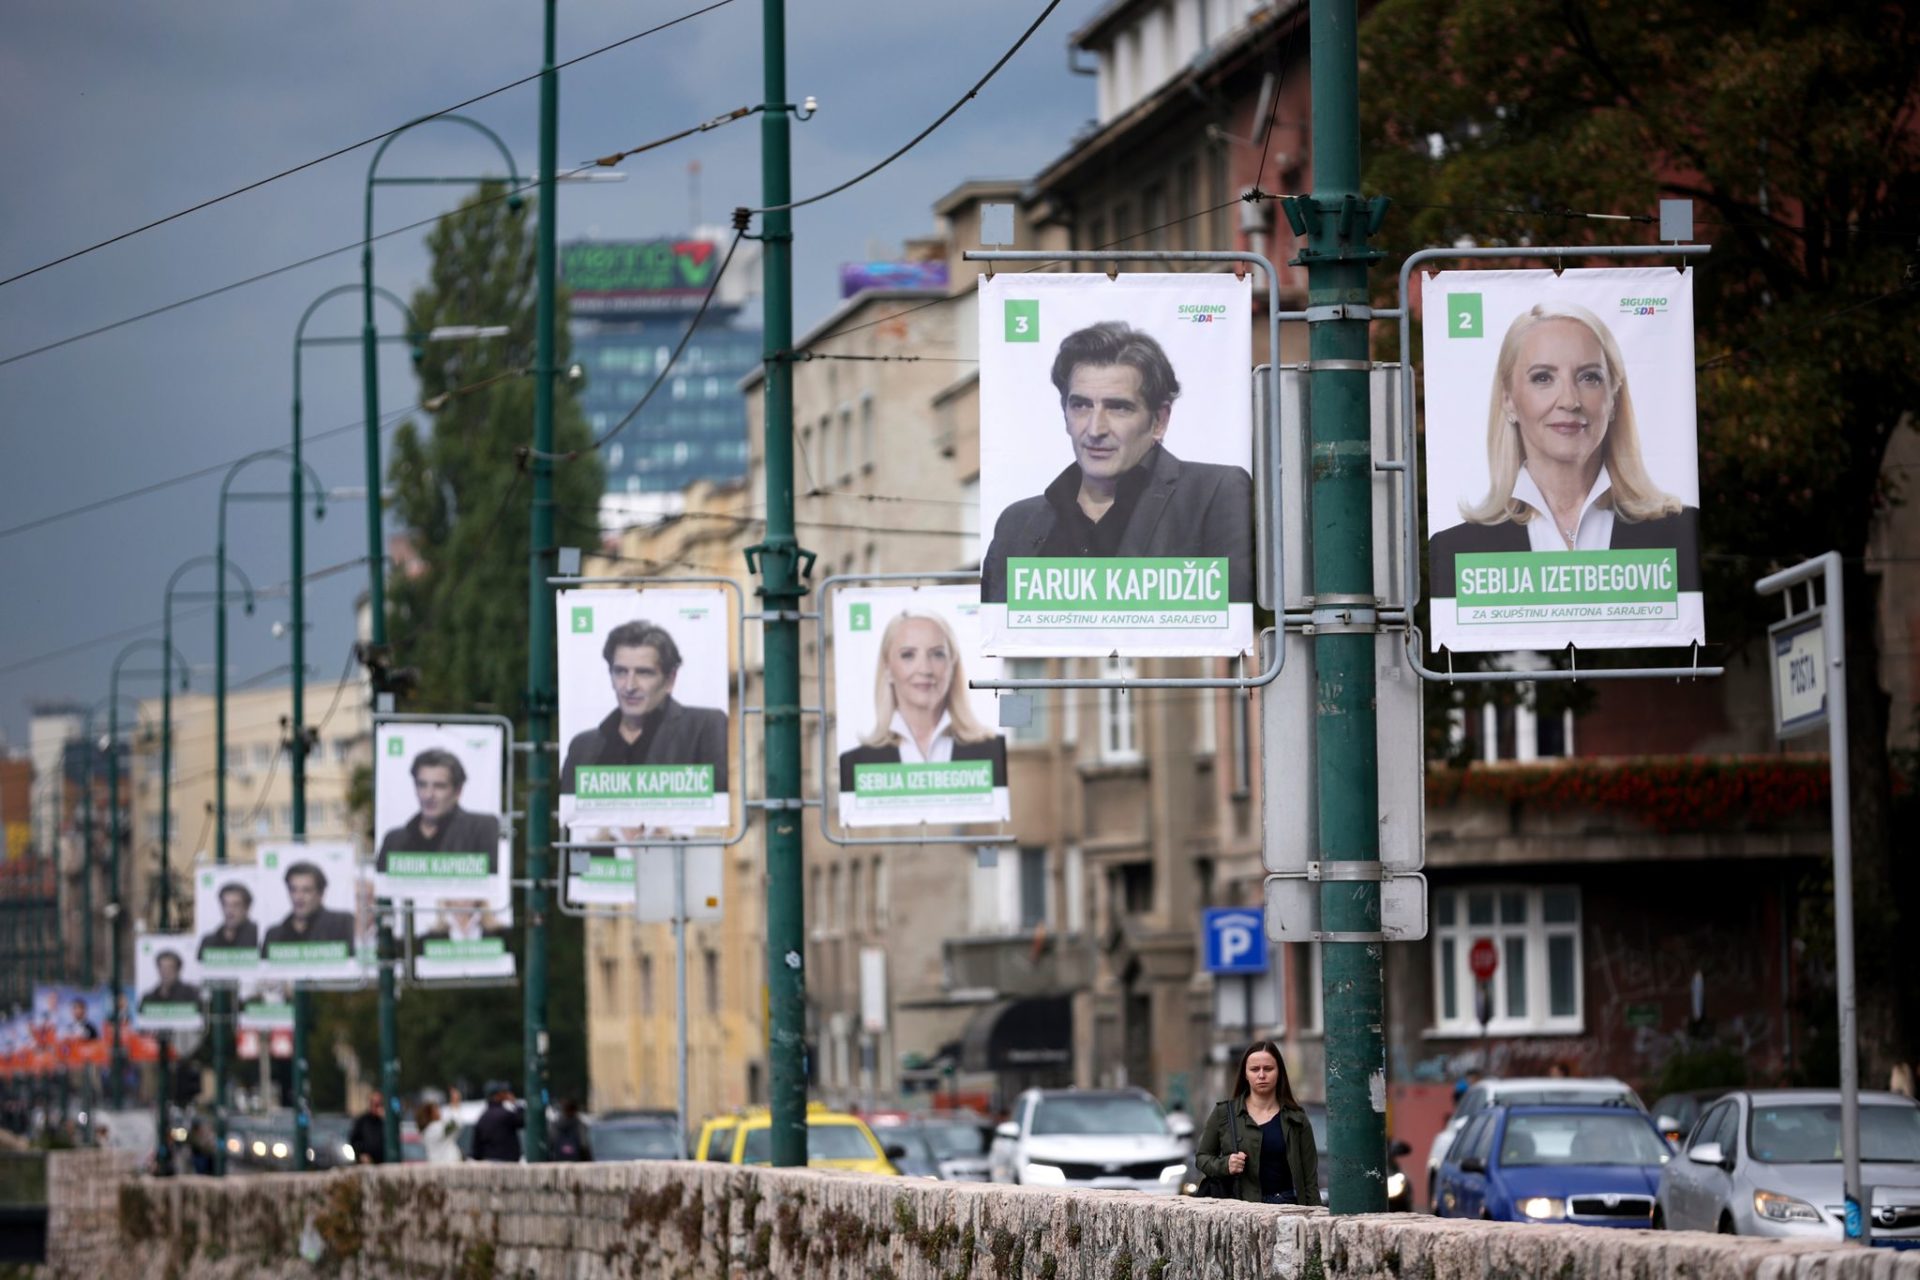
(388, 421)
(364, 142)
(922, 136)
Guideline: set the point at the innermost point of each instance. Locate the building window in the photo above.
(867, 451)
(1009, 894)
(711, 971)
(1033, 887)
(1075, 888)
(879, 882)
(1133, 887)
(1119, 732)
(1536, 933)
(1308, 997)
(646, 986)
(856, 905)
(1240, 725)
(1205, 725)
(1069, 703)
(1035, 730)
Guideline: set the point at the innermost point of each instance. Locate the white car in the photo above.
(1524, 1091)
(1105, 1139)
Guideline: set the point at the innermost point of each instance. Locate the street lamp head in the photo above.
(576, 373)
(516, 202)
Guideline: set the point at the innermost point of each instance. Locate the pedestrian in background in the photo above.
(439, 1134)
(368, 1137)
(1274, 1161)
(496, 1134)
(570, 1138)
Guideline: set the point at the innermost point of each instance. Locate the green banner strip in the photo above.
(307, 952)
(1494, 579)
(463, 949)
(439, 866)
(960, 778)
(1152, 584)
(603, 782)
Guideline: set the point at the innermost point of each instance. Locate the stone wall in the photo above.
(83, 1208)
(693, 1221)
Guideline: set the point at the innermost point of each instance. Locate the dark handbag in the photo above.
(1224, 1186)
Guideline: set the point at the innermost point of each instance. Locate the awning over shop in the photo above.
(1032, 1034)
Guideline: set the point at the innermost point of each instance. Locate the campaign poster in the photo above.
(64, 1014)
(265, 1005)
(1116, 447)
(166, 982)
(643, 711)
(438, 801)
(914, 743)
(599, 877)
(226, 924)
(462, 939)
(1563, 483)
(307, 904)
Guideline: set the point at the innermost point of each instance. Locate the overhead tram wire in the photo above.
(505, 193)
(364, 142)
(388, 421)
(922, 136)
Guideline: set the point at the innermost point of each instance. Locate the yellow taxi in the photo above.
(835, 1140)
(716, 1138)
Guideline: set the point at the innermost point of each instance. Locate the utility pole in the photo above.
(1339, 221)
(778, 561)
(540, 620)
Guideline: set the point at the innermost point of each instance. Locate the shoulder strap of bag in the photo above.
(1233, 1122)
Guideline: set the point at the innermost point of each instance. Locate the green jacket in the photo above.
(1304, 1162)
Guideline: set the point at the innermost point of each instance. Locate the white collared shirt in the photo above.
(465, 929)
(942, 752)
(1594, 532)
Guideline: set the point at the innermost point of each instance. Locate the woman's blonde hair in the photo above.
(1633, 494)
(960, 717)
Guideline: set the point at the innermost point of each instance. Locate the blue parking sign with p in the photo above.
(1236, 940)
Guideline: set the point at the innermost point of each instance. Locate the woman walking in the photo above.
(1273, 1160)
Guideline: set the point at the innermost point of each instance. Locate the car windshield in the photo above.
(720, 1141)
(824, 1142)
(1809, 1133)
(1580, 1139)
(634, 1142)
(955, 1139)
(909, 1138)
(1550, 1097)
(1098, 1116)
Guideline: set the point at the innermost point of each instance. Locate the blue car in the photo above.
(1594, 1166)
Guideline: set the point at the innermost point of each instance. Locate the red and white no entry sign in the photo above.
(1484, 957)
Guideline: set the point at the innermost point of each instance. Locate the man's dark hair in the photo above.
(236, 887)
(1116, 342)
(168, 955)
(630, 635)
(435, 758)
(307, 869)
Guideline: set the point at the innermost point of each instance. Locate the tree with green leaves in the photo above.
(1795, 130)
(459, 618)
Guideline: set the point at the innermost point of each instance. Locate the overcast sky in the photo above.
(117, 114)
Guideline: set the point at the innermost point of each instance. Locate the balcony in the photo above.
(1026, 964)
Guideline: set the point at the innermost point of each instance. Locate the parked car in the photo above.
(835, 1140)
(1399, 1186)
(1523, 1091)
(716, 1138)
(957, 1141)
(1594, 1166)
(1116, 1139)
(1676, 1113)
(636, 1136)
(1767, 1163)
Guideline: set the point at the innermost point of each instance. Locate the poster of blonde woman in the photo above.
(1563, 488)
(914, 743)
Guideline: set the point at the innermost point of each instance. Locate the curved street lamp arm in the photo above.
(300, 330)
(373, 166)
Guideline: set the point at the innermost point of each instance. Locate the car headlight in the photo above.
(1542, 1207)
(1042, 1175)
(259, 1147)
(233, 1146)
(346, 1152)
(1775, 1207)
(1396, 1185)
(1172, 1174)
(279, 1151)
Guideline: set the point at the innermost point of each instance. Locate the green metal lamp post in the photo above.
(376, 561)
(223, 1029)
(116, 1089)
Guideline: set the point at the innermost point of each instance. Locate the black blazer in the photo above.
(686, 735)
(1187, 509)
(1680, 531)
(466, 833)
(245, 934)
(994, 749)
(327, 926)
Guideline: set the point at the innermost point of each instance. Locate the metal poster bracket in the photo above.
(829, 786)
(735, 834)
(1266, 450)
(1408, 467)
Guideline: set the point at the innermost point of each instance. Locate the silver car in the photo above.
(1106, 1139)
(1767, 1163)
